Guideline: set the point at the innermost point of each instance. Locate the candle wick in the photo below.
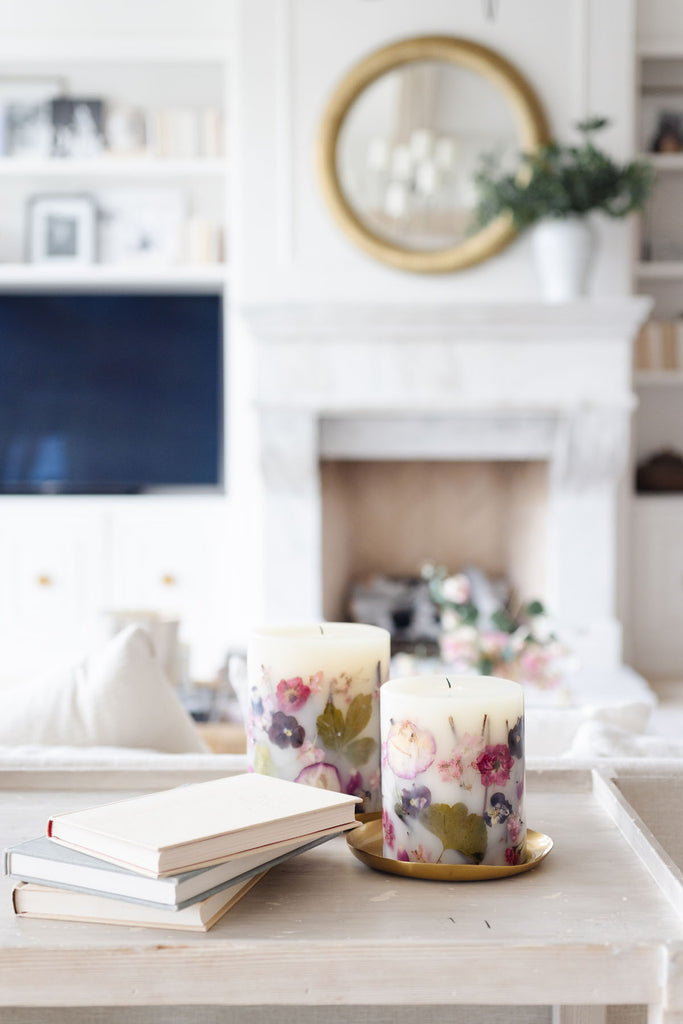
(449, 682)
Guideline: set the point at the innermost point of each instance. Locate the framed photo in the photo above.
(62, 229)
(26, 115)
(142, 225)
(77, 127)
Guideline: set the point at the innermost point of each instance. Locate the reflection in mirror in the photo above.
(409, 147)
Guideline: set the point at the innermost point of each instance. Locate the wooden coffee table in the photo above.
(598, 922)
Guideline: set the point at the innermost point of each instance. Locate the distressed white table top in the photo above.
(325, 929)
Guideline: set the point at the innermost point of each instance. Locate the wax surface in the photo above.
(314, 705)
(453, 770)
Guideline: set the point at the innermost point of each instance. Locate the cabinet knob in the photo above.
(44, 581)
(169, 580)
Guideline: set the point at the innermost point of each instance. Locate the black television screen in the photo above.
(107, 394)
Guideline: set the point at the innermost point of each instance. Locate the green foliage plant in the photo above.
(559, 181)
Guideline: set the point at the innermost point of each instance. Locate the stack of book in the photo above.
(180, 858)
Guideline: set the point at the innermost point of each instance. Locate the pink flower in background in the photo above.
(409, 750)
(456, 589)
(494, 765)
(389, 832)
(292, 694)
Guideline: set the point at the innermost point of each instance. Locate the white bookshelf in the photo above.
(112, 167)
(30, 276)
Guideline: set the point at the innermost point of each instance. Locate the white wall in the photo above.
(577, 55)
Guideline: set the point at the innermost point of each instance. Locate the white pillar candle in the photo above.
(453, 770)
(314, 705)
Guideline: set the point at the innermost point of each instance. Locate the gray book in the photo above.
(49, 863)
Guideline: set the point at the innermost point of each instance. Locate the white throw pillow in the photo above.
(116, 696)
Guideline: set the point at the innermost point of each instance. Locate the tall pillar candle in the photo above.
(314, 705)
(453, 770)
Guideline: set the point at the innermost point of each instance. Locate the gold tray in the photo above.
(365, 843)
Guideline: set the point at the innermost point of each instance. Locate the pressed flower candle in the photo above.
(453, 770)
(314, 705)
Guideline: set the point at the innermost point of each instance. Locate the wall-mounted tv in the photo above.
(110, 393)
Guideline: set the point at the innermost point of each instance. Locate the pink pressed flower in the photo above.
(422, 855)
(450, 771)
(389, 833)
(402, 855)
(292, 694)
(512, 856)
(463, 756)
(409, 750)
(315, 682)
(514, 827)
(494, 765)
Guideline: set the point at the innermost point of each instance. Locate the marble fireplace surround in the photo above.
(469, 382)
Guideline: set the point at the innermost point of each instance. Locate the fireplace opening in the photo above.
(387, 518)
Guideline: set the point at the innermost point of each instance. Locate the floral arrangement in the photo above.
(483, 632)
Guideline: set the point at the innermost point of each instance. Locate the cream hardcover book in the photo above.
(30, 900)
(203, 823)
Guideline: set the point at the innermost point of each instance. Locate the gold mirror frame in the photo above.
(533, 132)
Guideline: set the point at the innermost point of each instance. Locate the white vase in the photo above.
(563, 250)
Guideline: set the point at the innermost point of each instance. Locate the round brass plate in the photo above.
(365, 843)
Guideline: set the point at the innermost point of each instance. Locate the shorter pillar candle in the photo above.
(314, 705)
(453, 770)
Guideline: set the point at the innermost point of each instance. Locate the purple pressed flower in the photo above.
(285, 731)
(354, 787)
(415, 800)
(494, 765)
(501, 809)
(516, 738)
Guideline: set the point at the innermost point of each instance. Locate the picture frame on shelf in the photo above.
(142, 226)
(62, 230)
(26, 115)
(77, 128)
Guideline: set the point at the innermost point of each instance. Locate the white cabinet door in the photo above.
(170, 557)
(657, 594)
(52, 582)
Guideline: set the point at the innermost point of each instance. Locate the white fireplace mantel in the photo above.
(472, 381)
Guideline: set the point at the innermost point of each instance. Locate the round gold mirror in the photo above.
(400, 141)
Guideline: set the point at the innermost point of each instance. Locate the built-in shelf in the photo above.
(653, 270)
(658, 378)
(37, 276)
(664, 161)
(113, 167)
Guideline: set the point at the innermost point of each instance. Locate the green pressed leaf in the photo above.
(263, 763)
(331, 727)
(358, 716)
(457, 829)
(360, 751)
